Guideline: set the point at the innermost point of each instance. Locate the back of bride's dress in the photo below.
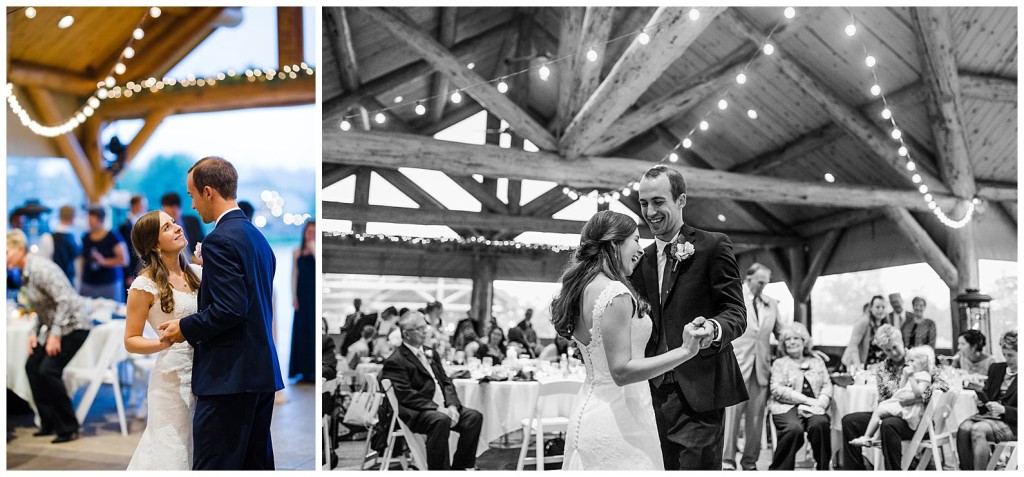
(612, 427)
(166, 443)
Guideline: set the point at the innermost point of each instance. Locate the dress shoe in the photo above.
(65, 437)
(42, 432)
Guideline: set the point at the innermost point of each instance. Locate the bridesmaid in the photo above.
(303, 361)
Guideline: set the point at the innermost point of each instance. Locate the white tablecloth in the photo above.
(88, 355)
(504, 404)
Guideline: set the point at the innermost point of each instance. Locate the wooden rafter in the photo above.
(837, 221)
(487, 199)
(544, 204)
(398, 150)
(672, 33)
(988, 88)
(334, 173)
(290, 49)
(997, 191)
(339, 38)
(821, 253)
(67, 144)
(569, 29)
(175, 43)
(53, 79)
(452, 117)
(446, 37)
(153, 121)
(597, 25)
(420, 196)
(361, 199)
(448, 63)
(925, 246)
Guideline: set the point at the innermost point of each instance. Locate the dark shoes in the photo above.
(42, 432)
(61, 438)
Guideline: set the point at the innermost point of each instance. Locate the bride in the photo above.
(165, 289)
(612, 423)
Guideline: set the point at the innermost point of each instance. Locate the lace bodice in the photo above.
(184, 303)
(594, 357)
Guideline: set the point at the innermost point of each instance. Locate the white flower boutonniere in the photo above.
(681, 251)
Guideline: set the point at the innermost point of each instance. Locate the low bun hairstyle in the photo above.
(598, 253)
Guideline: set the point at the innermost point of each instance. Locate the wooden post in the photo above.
(961, 250)
(484, 270)
(289, 36)
(797, 257)
(362, 196)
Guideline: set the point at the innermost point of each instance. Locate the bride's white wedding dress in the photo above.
(166, 443)
(612, 427)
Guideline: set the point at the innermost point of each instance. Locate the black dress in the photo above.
(303, 359)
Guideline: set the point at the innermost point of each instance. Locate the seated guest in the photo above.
(801, 391)
(329, 366)
(917, 378)
(918, 330)
(473, 343)
(893, 429)
(60, 330)
(862, 350)
(360, 348)
(388, 321)
(531, 335)
(517, 337)
(970, 354)
(997, 421)
(465, 326)
(427, 401)
(381, 348)
(494, 347)
(555, 350)
(436, 337)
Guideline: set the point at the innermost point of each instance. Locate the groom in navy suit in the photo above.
(235, 371)
(688, 274)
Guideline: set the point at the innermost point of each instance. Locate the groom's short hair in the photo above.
(216, 173)
(675, 179)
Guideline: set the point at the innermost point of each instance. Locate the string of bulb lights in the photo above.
(109, 89)
(672, 156)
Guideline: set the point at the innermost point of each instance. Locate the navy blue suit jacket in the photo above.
(232, 334)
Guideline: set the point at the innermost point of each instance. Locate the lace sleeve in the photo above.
(142, 283)
(612, 290)
(197, 270)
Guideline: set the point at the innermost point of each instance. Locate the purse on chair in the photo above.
(362, 410)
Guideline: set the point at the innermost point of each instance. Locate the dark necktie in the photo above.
(757, 313)
(665, 285)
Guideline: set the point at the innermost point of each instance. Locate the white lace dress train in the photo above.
(612, 427)
(166, 443)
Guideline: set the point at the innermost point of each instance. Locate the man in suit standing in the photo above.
(689, 273)
(170, 203)
(136, 207)
(427, 401)
(898, 316)
(754, 353)
(235, 371)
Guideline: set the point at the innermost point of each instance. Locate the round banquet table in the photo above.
(504, 404)
(88, 355)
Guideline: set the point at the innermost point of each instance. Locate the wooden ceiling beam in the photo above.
(334, 173)
(988, 88)
(821, 253)
(672, 33)
(480, 192)
(175, 43)
(837, 221)
(597, 25)
(997, 191)
(290, 48)
(544, 204)
(452, 117)
(927, 249)
(67, 144)
(395, 150)
(569, 30)
(449, 64)
(53, 79)
(446, 37)
(152, 122)
(339, 38)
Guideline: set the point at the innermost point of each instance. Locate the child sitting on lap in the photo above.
(916, 379)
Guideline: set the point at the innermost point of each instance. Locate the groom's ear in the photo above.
(681, 200)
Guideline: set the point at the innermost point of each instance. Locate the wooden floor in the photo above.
(101, 446)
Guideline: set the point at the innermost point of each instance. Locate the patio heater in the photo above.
(975, 314)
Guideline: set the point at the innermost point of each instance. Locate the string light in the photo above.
(704, 125)
(694, 14)
(380, 118)
(789, 12)
(673, 157)
(876, 90)
(66, 22)
(471, 66)
(544, 72)
(829, 177)
(643, 38)
(448, 244)
(591, 55)
(769, 49)
(138, 34)
(30, 12)
(723, 104)
(155, 12)
(751, 114)
(398, 99)
(421, 109)
(345, 125)
(687, 143)
(886, 113)
(851, 29)
(456, 97)
(741, 78)
(502, 87)
(870, 61)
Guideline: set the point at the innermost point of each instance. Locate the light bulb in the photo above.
(155, 12)
(119, 68)
(502, 87)
(687, 143)
(30, 12)
(636, 186)
(66, 22)
(673, 157)
(769, 49)
(643, 38)
(544, 72)
(870, 61)
(723, 104)
(704, 125)
(93, 102)
(721, 218)
(927, 197)
(741, 78)
(565, 190)
(789, 12)
(931, 205)
(456, 97)
(380, 118)
(398, 99)
(600, 200)
(902, 151)
(615, 195)
(876, 90)
(694, 14)
(829, 177)
(471, 66)
(138, 34)
(421, 109)
(345, 125)
(129, 52)
(751, 114)
(591, 55)
(886, 113)
(851, 29)
(626, 191)
(896, 134)
(923, 189)
(916, 178)
(911, 166)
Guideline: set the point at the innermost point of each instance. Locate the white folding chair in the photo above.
(769, 429)
(142, 368)
(105, 372)
(370, 455)
(997, 454)
(415, 443)
(915, 441)
(537, 425)
(327, 442)
(940, 434)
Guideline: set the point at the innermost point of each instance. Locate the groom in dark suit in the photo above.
(689, 273)
(427, 401)
(235, 371)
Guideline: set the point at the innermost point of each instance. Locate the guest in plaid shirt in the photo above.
(61, 329)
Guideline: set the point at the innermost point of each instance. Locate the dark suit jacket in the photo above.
(412, 383)
(705, 284)
(193, 232)
(231, 333)
(996, 374)
(133, 261)
(354, 331)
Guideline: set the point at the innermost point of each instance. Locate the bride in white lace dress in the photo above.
(165, 289)
(612, 423)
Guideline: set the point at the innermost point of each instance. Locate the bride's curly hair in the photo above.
(598, 253)
(145, 239)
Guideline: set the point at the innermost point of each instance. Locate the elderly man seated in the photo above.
(427, 401)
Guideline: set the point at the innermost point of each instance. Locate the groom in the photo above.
(235, 370)
(689, 273)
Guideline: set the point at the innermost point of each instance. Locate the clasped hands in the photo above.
(170, 333)
(452, 412)
(698, 334)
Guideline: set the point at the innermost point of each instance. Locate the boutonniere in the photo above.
(680, 251)
(429, 353)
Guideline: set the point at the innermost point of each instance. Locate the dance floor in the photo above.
(101, 446)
